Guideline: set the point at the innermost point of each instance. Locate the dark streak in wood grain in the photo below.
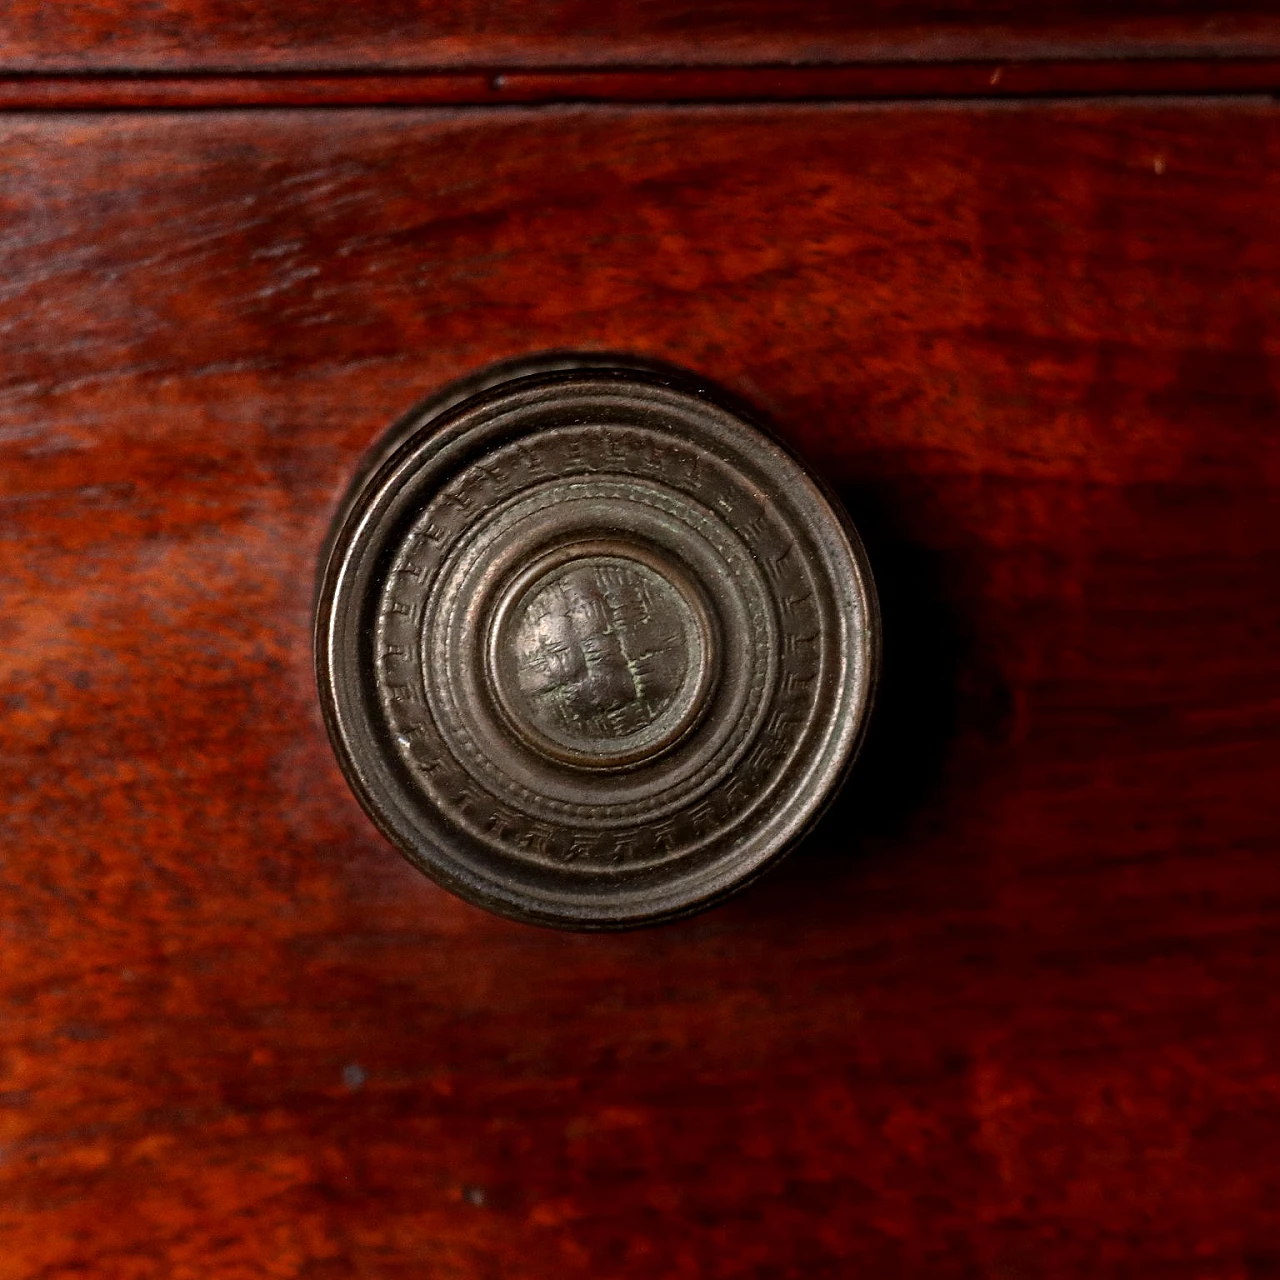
(1012, 1012)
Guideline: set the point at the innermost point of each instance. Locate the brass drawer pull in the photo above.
(593, 650)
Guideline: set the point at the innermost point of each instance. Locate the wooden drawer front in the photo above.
(309, 35)
(1011, 1012)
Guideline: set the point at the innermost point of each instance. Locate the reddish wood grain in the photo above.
(866, 82)
(178, 35)
(1013, 1012)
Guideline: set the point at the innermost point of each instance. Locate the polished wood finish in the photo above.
(178, 35)
(1013, 1011)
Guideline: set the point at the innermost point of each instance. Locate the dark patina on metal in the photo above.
(593, 650)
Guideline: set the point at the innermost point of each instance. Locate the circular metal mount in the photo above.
(593, 650)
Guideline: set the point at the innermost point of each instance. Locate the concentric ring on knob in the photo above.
(592, 649)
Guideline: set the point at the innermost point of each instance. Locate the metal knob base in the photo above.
(592, 649)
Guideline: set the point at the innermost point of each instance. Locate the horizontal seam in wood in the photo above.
(871, 82)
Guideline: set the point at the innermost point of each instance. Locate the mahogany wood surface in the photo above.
(177, 35)
(1012, 1012)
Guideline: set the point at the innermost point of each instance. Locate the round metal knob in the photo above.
(592, 649)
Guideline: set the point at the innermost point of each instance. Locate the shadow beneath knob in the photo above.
(914, 720)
